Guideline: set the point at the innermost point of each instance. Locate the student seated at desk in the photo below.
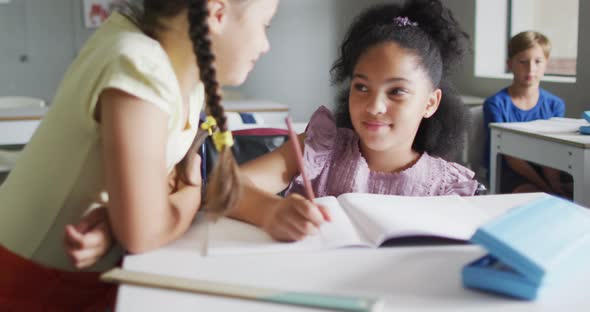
(398, 119)
(525, 100)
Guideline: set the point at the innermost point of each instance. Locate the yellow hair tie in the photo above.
(223, 139)
(209, 124)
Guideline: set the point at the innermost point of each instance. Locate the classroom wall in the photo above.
(304, 39)
(304, 36)
(300, 79)
(575, 94)
(543, 20)
(38, 40)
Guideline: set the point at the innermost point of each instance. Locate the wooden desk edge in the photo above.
(20, 118)
(257, 110)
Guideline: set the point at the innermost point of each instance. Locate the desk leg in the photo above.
(582, 182)
(495, 161)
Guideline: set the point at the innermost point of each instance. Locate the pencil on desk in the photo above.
(341, 303)
(299, 155)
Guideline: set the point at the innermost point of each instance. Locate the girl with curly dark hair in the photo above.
(398, 123)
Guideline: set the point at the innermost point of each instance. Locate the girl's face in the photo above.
(390, 93)
(238, 33)
(528, 66)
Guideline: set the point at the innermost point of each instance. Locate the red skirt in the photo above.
(28, 286)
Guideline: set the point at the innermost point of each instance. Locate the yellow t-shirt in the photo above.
(59, 176)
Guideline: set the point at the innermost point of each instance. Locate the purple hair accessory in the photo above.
(403, 21)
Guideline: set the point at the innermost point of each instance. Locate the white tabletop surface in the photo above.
(17, 125)
(254, 106)
(22, 113)
(418, 278)
(542, 129)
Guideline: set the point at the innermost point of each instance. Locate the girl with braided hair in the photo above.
(122, 125)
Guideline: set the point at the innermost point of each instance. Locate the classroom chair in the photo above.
(248, 144)
(476, 140)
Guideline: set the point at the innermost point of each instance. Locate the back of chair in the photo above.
(21, 102)
(476, 140)
(248, 144)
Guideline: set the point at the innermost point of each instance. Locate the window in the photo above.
(558, 20)
(498, 20)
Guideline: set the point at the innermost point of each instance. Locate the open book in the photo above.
(358, 220)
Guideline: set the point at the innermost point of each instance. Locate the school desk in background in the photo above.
(533, 249)
(556, 143)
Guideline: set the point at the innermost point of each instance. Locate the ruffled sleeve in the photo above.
(459, 180)
(320, 138)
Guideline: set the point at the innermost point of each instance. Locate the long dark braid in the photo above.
(223, 189)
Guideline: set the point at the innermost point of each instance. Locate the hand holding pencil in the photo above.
(299, 156)
(296, 216)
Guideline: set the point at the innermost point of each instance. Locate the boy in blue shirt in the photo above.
(524, 100)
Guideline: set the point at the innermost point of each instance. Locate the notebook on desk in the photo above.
(531, 248)
(362, 220)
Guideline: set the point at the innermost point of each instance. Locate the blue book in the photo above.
(531, 248)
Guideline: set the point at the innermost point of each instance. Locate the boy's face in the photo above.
(528, 66)
(389, 96)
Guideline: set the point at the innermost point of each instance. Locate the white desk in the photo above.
(254, 106)
(17, 125)
(270, 112)
(408, 278)
(299, 127)
(566, 152)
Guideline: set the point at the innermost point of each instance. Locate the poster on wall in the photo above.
(97, 11)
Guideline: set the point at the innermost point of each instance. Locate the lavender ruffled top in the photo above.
(335, 165)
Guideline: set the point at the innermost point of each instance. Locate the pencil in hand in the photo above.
(299, 157)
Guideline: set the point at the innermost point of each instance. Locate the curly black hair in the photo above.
(439, 42)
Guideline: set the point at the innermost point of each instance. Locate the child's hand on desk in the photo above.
(294, 218)
(86, 242)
